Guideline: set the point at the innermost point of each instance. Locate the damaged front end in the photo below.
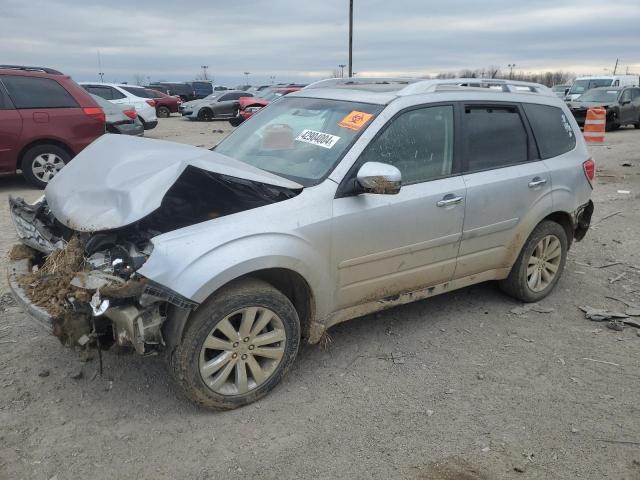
(83, 243)
(85, 287)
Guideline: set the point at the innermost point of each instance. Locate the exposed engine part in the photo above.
(140, 328)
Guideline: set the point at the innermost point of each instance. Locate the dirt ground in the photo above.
(455, 387)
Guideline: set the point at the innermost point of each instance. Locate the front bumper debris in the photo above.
(30, 228)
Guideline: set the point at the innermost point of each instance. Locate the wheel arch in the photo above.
(565, 220)
(38, 142)
(289, 282)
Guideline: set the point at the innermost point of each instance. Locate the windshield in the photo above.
(581, 86)
(599, 96)
(301, 139)
(268, 95)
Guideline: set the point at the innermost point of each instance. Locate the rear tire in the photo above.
(220, 363)
(163, 112)
(42, 162)
(539, 265)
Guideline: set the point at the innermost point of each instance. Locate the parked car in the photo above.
(183, 90)
(219, 105)
(561, 90)
(45, 120)
(621, 103)
(248, 106)
(336, 201)
(120, 119)
(165, 104)
(581, 85)
(127, 95)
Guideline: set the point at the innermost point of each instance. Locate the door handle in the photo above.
(449, 199)
(537, 181)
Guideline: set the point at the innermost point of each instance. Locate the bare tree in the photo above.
(139, 79)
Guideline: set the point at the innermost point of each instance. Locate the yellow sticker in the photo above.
(355, 120)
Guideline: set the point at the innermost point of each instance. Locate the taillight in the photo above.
(96, 113)
(589, 168)
(151, 102)
(131, 114)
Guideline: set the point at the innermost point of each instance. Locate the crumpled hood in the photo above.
(119, 179)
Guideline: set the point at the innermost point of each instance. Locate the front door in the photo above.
(384, 245)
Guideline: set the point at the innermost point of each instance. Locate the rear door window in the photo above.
(36, 92)
(551, 129)
(494, 136)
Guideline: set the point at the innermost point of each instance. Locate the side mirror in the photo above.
(379, 178)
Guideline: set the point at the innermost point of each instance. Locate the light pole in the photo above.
(246, 77)
(341, 67)
(511, 67)
(273, 79)
(204, 70)
(350, 38)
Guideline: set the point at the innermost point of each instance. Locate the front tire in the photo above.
(540, 263)
(236, 121)
(237, 345)
(205, 115)
(42, 162)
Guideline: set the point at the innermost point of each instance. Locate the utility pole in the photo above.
(616, 66)
(100, 73)
(341, 67)
(204, 71)
(350, 38)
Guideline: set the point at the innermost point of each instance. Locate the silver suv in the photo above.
(348, 197)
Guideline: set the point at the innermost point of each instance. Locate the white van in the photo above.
(582, 84)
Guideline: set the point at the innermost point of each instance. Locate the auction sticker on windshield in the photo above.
(355, 120)
(324, 140)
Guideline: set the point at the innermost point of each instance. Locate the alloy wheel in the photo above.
(242, 351)
(544, 263)
(46, 165)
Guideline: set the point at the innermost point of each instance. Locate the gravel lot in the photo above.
(472, 391)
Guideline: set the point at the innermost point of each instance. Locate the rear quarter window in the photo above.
(551, 129)
(36, 92)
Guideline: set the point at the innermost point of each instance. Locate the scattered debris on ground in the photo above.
(531, 307)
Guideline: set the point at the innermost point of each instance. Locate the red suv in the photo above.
(45, 119)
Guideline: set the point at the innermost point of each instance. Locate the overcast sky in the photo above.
(300, 40)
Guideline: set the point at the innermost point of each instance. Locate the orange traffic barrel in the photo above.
(595, 124)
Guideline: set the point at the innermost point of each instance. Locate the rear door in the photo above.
(10, 130)
(227, 105)
(507, 185)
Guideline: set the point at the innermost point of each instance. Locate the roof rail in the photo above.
(512, 86)
(355, 82)
(31, 69)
